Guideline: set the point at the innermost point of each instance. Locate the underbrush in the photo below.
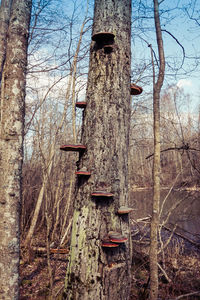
(179, 274)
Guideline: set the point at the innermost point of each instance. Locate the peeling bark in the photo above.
(94, 272)
(11, 146)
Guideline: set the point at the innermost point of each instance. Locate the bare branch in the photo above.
(152, 54)
(183, 147)
(187, 295)
(183, 49)
(164, 273)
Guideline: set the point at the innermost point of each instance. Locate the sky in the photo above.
(180, 35)
(175, 20)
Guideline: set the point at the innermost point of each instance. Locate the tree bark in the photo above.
(4, 22)
(156, 162)
(94, 272)
(11, 146)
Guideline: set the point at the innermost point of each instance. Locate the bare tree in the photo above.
(11, 145)
(157, 85)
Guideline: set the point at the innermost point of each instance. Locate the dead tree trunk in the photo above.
(95, 272)
(11, 143)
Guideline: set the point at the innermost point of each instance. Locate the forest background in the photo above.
(57, 77)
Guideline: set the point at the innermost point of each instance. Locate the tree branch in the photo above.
(187, 295)
(183, 147)
(164, 30)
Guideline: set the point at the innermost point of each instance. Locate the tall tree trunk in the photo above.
(95, 272)
(11, 146)
(157, 85)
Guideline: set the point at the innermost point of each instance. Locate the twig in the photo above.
(66, 232)
(169, 192)
(59, 292)
(164, 273)
(164, 30)
(186, 295)
(183, 147)
(168, 240)
(183, 237)
(145, 219)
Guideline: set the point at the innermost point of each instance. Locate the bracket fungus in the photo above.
(103, 37)
(70, 147)
(83, 171)
(102, 193)
(124, 210)
(116, 237)
(81, 104)
(106, 243)
(136, 89)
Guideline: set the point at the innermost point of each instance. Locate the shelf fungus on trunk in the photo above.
(103, 37)
(83, 172)
(81, 104)
(116, 237)
(106, 243)
(70, 147)
(102, 193)
(136, 89)
(124, 210)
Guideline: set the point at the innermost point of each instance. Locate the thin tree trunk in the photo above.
(11, 146)
(53, 145)
(39, 201)
(94, 272)
(156, 162)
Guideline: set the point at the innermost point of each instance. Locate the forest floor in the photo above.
(179, 273)
(35, 283)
